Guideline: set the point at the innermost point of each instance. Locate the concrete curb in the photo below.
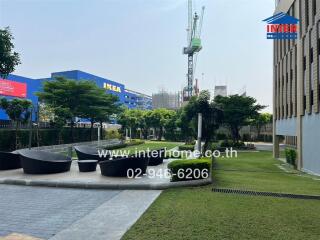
(109, 186)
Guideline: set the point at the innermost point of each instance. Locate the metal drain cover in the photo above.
(268, 194)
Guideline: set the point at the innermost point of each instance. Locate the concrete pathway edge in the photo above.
(112, 219)
(110, 186)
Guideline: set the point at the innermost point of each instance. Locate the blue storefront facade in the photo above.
(23, 87)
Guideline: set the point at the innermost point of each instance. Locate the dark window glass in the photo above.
(307, 13)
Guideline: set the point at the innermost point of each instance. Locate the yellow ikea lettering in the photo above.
(111, 87)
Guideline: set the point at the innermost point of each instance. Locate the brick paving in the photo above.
(42, 212)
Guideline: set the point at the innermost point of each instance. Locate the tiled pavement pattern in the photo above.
(42, 212)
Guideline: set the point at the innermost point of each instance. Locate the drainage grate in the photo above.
(268, 194)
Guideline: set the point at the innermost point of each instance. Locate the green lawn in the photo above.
(198, 213)
(259, 171)
(151, 145)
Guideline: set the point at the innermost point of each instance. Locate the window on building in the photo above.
(307, 13)
(318, 67)
(304, 80)
(293, 12)
(311, 75)
(296, 87)
(291, 91)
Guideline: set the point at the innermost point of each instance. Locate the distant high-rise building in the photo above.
(220, 91)
(167, 100)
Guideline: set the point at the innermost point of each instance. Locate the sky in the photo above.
(139, 42)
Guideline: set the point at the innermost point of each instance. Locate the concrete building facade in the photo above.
(296, 85)
(166, 100)
(220, 91)
(23, 87)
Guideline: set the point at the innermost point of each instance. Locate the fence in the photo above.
(67, 148)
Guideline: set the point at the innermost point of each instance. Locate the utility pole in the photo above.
(99, 137)
(30, 128)
(199, 132)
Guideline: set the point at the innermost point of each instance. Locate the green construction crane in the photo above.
(194, 46)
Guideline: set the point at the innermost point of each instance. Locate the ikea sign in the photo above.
(112, 87)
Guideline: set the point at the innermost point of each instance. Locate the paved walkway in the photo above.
(44, 213)
(112, 219)
(264, 146)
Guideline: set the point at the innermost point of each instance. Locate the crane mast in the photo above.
(194, 46)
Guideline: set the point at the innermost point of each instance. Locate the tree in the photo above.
(186, 123)
(211, 115)
(238, 112)
(98, 106)
(134, 119)
(261, 120)
(70, 98)
(19, 111)
(157, 119)
(8, 58)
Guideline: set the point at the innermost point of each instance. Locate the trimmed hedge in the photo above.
(291, 155)
(127, 144)
(224, 144)
(184, 170)
(46, 137)
(186, 147)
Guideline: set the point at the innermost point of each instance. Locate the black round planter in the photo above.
(87, 165)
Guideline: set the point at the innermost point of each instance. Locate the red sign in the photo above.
(14, 89)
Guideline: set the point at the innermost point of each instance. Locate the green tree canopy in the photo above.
(211, 115)
(8, 58)
(18, 111)
(70, 98)
(238, 111)
(261, 120)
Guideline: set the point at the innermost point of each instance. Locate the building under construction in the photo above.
(164, 99)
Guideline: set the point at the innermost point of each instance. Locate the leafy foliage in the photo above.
(238, 111)
(8, 58)
(291, 156)
(160, 119)
(18, 111)
(261, 120)
(179, 172)
(70, 98)
(211, 115)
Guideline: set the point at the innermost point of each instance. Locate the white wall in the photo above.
(286, 127)
(311, 143)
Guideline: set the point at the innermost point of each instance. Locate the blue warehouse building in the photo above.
(23, 87)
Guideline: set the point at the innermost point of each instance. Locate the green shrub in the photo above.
(230, 143)
(126, 144)
(184, 170)
(291, 156)
(216, 146)
(186, 147)
(190, 142)
(46, 137)
(221, 136)
(112, 134)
